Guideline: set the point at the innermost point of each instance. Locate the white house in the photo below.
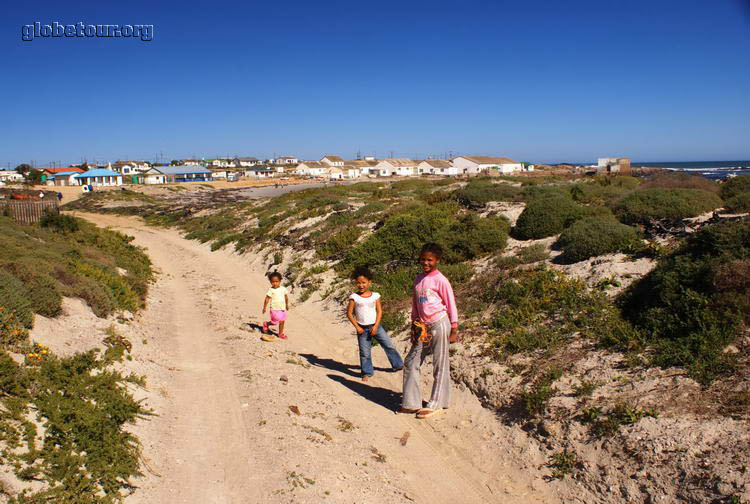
(222, 163)
(335, 173)
(246, 161)
(285, 160)
(403, 167)
(260, 172)
(128, 167)
(363, 165)
(332, 160)
(98, 177)
(10, 176)
(220, 173)
(312, 168)
(351, 171)
(474, 165)
(437, 167)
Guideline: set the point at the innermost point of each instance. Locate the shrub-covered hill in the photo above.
(62, 419)
(65, 256)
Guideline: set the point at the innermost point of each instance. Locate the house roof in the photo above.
(314, 164)
(65, 174)
(400, 161)
(438, 163)
(361, 163)
(261, 169)
(247, 159)
(490, 160)
(60, 170)
(98, 172)
(182, 170)
(333, 158)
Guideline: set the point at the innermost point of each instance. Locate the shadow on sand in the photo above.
(386, 398)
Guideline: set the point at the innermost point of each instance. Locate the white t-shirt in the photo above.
(278, 299)
(364, 308)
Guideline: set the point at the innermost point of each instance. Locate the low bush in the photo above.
(739, 203)
(658, 203)
(595, 236)
(540, 308)
(735, 186)
(533, 253)
(696, 300)
(14, 296)
(479, 192)
(681, 181)
(603, 190)
(59, 222)
(12, 331)
(339, 243)
(546, 216)
(472, 236)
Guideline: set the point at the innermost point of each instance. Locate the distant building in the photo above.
(134, 166)
(332, 160)
(170, 174)
(260, 172)
(10, 176)
(285, 160)
(245, 162)
(437, 167)
(474, 165)
(98, 177)
(364, 165)
(403, 167)
(65, 178)
(351, 171)
(613, 165)
(312, 168)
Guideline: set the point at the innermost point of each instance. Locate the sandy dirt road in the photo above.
(225, 432)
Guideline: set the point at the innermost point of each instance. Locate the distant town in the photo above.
(329, 168)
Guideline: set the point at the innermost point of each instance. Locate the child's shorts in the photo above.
(278, 316)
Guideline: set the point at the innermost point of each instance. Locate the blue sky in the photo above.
(543, 81)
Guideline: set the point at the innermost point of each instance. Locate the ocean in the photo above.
(714, 170)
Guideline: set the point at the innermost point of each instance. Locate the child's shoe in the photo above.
(265, 328)
(282, 336)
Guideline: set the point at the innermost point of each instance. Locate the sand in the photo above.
(227, 428)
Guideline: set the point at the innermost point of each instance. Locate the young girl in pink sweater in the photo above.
(434, 308)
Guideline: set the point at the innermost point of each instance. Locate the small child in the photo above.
(277, 296)
(364, 312)
(434, 313)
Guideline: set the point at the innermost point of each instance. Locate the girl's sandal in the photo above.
(407, 411)
(428, 412)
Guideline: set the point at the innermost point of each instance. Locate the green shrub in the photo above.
(479, 192)
(59, 223)
(339, 242)
(546, 216)
(735, 186)
(595, 236)
(14, 296)
(42, 289)
(12, 330)
(540, 308)
(472, 236)
(739, 203)
(370, 209)
(681, 181)
(696, 300)
(658, 203)
(401, 237)
(603, 190)
(533, 253)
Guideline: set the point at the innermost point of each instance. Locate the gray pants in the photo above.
(441, 388)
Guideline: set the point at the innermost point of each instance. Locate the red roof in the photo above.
(60, 170)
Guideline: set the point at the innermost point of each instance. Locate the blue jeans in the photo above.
(365, 350)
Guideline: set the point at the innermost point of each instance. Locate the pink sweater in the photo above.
(432, 298)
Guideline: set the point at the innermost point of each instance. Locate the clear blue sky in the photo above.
(534, 80)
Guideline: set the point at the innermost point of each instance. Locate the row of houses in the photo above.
(334, 167)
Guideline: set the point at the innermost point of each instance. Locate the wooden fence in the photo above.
(28, 211)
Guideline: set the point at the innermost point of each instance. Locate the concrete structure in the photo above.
(335, 173)
(364, 165)
(474, 165)
(403, 167)
(332, 160)
(285, 160)
(98, 177)
(133, 166)
(437, 167)
(613, 165)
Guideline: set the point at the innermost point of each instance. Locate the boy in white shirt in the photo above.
(279, 299)
(364, 312)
